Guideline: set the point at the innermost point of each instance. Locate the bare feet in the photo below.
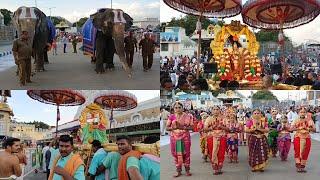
(177, 175)
(188, 173)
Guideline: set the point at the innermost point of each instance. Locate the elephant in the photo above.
(114, 22)
(34, 21)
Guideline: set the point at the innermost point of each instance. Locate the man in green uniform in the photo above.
(74, 44)
(130, 42)
(147, 46)
(22, 51)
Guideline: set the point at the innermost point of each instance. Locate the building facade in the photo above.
(27, 132)
(147, 23)
(175, 42)
(5, 118)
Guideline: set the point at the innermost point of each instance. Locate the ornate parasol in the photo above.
(58, 98)
(208, 8)
(116, 101)
(279, 14)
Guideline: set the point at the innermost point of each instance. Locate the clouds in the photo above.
(73, 10)
(140, 9)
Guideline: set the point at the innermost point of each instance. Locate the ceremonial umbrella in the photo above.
(207, 8)
(58, 98)
(279, 14)
(116, 100)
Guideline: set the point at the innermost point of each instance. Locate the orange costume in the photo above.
(71, 166)
(216, 142)
(302, 141)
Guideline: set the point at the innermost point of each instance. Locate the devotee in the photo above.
(232, 136)
(273, 133)
(129, 165)
(256, 127)
(302, 140)
(179, 125)
(203, 136)
(97, 160)
(9, 163)
(284, 139)
(216, 139)
(67, 165)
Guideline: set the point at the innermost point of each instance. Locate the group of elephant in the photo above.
(111, 22)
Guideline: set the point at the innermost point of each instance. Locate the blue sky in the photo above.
(298, 35)
(26, 109)
(72, 10)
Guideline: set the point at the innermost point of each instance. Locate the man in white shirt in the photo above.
(292, 115)
(164, 114)
(44, 150)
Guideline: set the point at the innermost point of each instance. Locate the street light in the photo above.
(50, 11)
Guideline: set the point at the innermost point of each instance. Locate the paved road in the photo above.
(276, 169)
(75, 71)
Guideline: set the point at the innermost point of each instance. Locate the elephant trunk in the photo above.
(118, 35)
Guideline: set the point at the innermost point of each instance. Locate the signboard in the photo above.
(169, 37)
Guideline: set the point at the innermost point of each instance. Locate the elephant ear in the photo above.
(16, 15)
(102, 16)
(129, 21)
(97, 20)
(42, 24)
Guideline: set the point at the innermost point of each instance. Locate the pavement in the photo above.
(75, 71)
(5, 50)
(276, 169)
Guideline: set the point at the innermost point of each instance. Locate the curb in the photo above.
(2, 54)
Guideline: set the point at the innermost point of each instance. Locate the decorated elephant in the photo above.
(112, 23)
(40, 29)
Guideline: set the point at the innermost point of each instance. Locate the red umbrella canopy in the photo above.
(116, 100)
(208, 8)
(279, 14)
(57, 97)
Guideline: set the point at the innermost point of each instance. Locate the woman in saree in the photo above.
(302, 140)
(232, 136)
(256, 127)
(284, 139)
(216, 139)
(203, 136)
(179, 124)
(273, 133)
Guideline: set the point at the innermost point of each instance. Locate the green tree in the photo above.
(189, 22)
(264, 95)
(55, 20)
(7, 16)
(269, 35)
(80, 23)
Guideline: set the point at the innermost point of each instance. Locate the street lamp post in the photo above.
(111, 4)
(50, 11)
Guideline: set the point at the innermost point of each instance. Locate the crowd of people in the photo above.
(266, 131)
(179, 72)
(296, 70)
(60, 161)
